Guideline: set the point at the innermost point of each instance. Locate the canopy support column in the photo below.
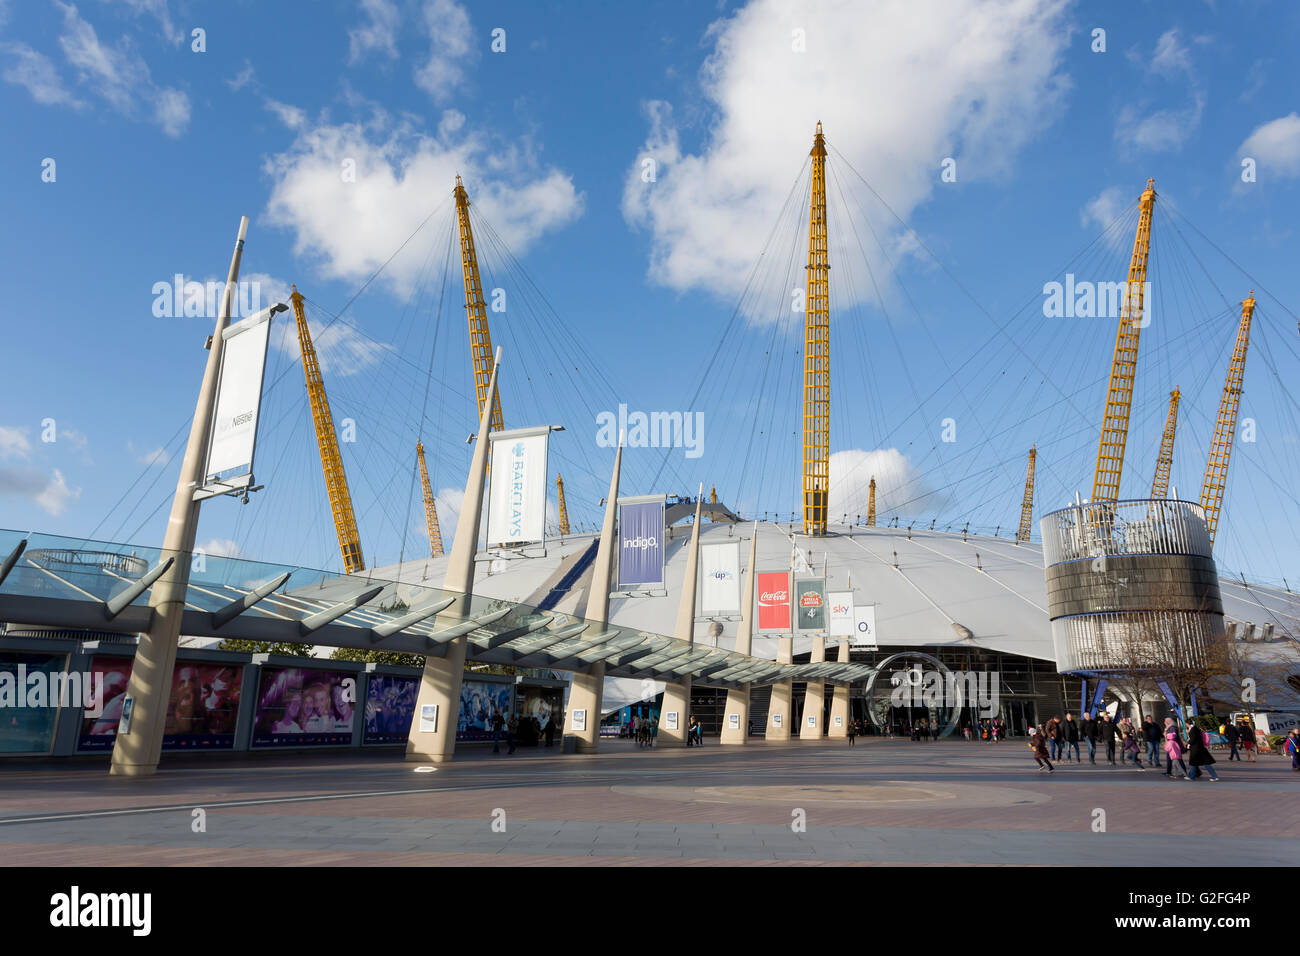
(840, 715)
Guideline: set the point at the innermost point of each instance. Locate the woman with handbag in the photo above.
(1173, 749)
(1198, 755)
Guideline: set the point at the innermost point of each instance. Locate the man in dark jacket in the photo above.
(1232, 735)
(1089, 731)
(1071, 729)
(1154, 740)
(1108, 731)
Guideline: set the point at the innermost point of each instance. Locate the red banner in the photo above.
(773, 600)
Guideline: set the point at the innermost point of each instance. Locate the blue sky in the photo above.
(158, 148)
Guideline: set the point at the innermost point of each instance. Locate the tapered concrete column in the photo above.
(677, 695)
(840, 701)
(586, 690)
(136, 753)
(814, 697)
(738, 697)
(440, 683)
(782, 695)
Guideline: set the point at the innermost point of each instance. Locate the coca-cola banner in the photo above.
(641, 543)
(773, 600)
(720, 573)
(810, 604)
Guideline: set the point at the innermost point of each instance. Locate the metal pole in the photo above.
(137, 751)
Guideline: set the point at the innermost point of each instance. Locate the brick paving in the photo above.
(881, 802)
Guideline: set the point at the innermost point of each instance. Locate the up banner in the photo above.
(641, 542)
(720, 573)
(841, 616)
(810, 604)
(517, 493)
(773, 600)
(239, 399)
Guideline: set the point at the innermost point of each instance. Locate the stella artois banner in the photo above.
(810, 604)
(841, 617)
(773, 600)
(517, 486)
(720, 573)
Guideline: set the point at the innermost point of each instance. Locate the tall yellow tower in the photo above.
(480, 338)
(564, 508)
(1027, 502)
(336, 480)
(871, 503)
(430, 506)
(1160, 484)
(1119, 398)
(1216, 469)
(816, 354)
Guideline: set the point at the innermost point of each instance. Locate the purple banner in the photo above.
(641, 544)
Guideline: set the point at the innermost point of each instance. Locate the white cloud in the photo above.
(35, 72)
(56, 496)
(898, 485)
(241, 79)
(340, 349)
(1162, 130)
(158, 10)
(158, 457)
(291, 116)
(221, 548)
(378, 33)
(401, 175)
(1103, 209)
(120, 75)
(1275, 147)
(1171, 58)
(14, 443)
(450, 47)
(899, 87)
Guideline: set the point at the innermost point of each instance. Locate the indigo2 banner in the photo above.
(641, 544)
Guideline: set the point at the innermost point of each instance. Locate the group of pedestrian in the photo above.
(517, 731)
(1063, 738)
(694, 733)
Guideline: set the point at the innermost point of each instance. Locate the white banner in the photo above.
(720, 571)
(239, 395)
(864, 627)
(841, 618)
(517, 496)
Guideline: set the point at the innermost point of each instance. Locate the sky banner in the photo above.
(810, 604)
(517, 495)
(641, 543)
(773, 600)
(864, 627)
(239, 396)
(720, 572)
(841, 616)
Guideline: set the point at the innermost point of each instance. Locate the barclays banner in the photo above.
(720, 574)
(640, 542)
(517, 494)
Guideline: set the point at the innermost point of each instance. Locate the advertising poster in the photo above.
(203, 706)
(239, 395)
(864, 627)
(810, 603)
(28, 729)
(541, 702)
(99, 733)
(773, 600)
(641, 544)
(841, 617)
(390, 705)
(720, 577)
(479, 701)
(517, 492)
(305, 707)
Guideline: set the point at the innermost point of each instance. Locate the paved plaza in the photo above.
(881, 802)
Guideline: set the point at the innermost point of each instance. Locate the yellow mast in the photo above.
(480, 339)
(430, 508)
(564, 508)
(1119, 399)
(1160, 484)
(1027, 503)
(1216, 470)
(816, 354)
(871, 503)
(336, 481)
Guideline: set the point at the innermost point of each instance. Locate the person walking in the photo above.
(1248, 739)
(1198, 755)
(1233, 736)
(1038, 745)
(1151, 735)
(1173, 749)
(1131, 749)
(1108, 732)
(1053, 731)
(853, 733)
(1088, 730)
(498, 722)
(550, 729)
(512, 728)
(1071, 737)
(1292, 747)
